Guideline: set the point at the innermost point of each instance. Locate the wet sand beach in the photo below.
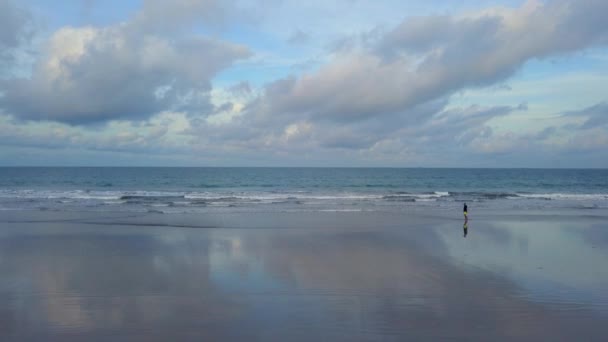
(334, 276)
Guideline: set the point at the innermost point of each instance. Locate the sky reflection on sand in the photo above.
(71, 280)
(553, 261)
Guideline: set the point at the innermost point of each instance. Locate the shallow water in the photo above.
(332, 276)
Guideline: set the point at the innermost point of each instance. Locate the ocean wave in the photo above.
(114, 202)
(341, 210)
(483, 195)
(116, 195)
(326, 199)
(61, 194)
(150, 198)
(416, 197)
(207, 186)
(398, 198)
(564, 196)
(272, 196)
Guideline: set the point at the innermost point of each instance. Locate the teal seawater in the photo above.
(312, 188)
(355, 179)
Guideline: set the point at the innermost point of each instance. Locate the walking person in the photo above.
(465, 211)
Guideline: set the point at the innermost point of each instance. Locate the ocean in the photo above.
(183, 190)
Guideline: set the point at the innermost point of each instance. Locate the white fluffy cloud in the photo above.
(427, 58)
(91, 74)
(396, 85)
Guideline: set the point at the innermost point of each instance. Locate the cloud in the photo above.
(242, 88)
(391, 90)
(91, 74)
(13, 24)
(424, 129)
(564, 139)
(15, 28)
(547, 133)
(162, 16)
(590, 140)
(449, 137)
(154, 136)
(596, 115)
(427, 58)
(383, 95)
(298, 37)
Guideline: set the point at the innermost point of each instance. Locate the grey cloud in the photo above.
(427, 122)
(590, 136)
(224, 107)
(361, 135)
(433, 57)
(298, 37)
(473, 51)
(241, 89)
(355, 42)
(354, 88)
(132, 139)
(441, 140)
(421, 34)
(507, 36)
(16, 27)
(586, 138)
(395, 94)
(161, 16)
(595, 139)
(238, 131)
(14, 23)
(342, 44)
(597, 115)
(91, 74)
(347, 139)
(546, 133)
(473, 133)
(457, 127)
(425, 128)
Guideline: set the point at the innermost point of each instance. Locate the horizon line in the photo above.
(302, 167)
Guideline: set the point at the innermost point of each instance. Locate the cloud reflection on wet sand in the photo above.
(126, 283)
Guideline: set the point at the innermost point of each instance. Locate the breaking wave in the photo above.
(325, 200)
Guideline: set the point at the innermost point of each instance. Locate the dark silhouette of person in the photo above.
(465, 211)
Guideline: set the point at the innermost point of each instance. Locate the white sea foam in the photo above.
(61, 194)
(321, 200)
(114, 202)
(281, 197)
(562, 196)
(417, 197)
(341, 210)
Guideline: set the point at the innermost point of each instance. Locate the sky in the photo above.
(347, 83)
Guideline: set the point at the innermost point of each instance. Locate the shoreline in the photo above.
(284, 218)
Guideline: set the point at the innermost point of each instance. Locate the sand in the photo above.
(333, 276)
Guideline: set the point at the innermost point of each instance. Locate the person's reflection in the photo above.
(465, 229)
